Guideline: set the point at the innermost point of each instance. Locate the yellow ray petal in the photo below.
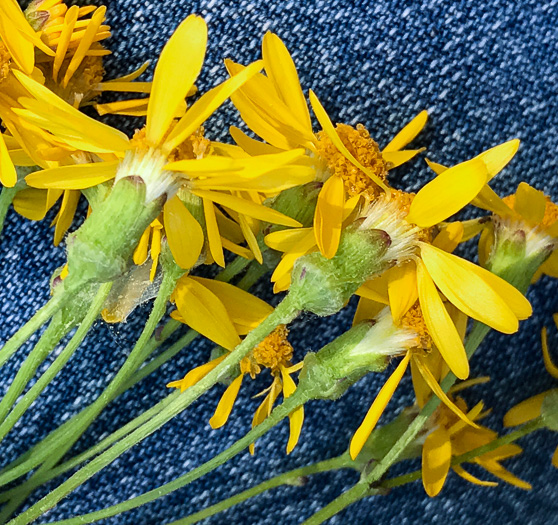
(487, 199)
(249, 208)
(195, 375)
(131, 76)
(497, 158)
(551, 368)
(155, 251)
(440, 326)
(530, 203)
(460, 471)
(305, 245)
(402, 289)
(250, 239)
(203, 311)
(20, 48)
(213, 237)
(243, 308)
(8, 174)
(500, 472)
(421, 388)
(435, 167)
(184, 233)
(475, 291)
(140, 253)
(236, 249)
(435, 387)
(408, 133)
(249, 167)
(178, 67)
(75, 177)
(266, 406)
(207, 104)
(329, 130)
(67, 29)
(66, 214)
(436, 459)
(251, 116)
(471, 229)
(448, 193)
(376, 289)
(284, 240)
(89, 36)
(395, 159)
(265, 99)
(100, 136)
(31, 203)
(328, 218)
(367, 310)
(378, 406)
(280, 68)
(525, 411)
(225, 406)
(250, 145)
(296, 417)
(450, 237)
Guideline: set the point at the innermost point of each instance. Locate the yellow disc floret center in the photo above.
(414, 320)
(364, 149)
(275, 350)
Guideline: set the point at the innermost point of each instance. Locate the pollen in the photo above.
(414, 320)
(364, 149)
(82, 84)
(5, 60)
(404, 200)
(274, 350)
(196, 146)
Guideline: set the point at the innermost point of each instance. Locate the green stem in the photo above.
(87, 416)
(283, 314)
(159, 361)
(97, 449)
(53, 334)
(253, 274)
(279, 413)
(29, 460)
(54, 368)
(355, 493)
(6, 197)
(288, 478)
(28, 329)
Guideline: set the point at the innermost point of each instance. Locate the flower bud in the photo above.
(323, 286)
(101, 250)
(518, 251)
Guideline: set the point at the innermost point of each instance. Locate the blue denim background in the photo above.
(486, 72)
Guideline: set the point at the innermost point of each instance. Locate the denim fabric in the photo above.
(486, 72)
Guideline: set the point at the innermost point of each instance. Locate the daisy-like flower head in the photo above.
(527, 219)
(427, 366)
(531, 408)
(346, 159)
(450, 436)
(164, 155)
(273, 353)
(77, 67)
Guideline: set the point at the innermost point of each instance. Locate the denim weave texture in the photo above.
(486, 72)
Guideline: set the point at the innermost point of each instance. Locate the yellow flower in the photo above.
(164, 155)
(346, 159)
(274, 353)
(428, 368)
(452, 437)
(531, 407)
(528, 210)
